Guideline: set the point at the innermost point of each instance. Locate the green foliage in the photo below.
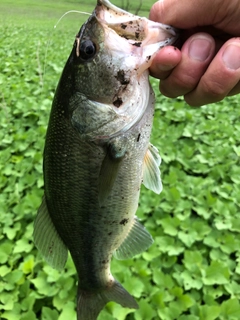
(192, 271)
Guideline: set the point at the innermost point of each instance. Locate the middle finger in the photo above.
(197, 53)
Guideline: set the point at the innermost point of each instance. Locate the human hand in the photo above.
(207, 68)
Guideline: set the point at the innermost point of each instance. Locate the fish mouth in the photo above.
(139, 31)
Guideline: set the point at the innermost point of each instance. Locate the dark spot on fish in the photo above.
(130, 22)
(105, 261)
(50, 249)
(138, 137)
(137, 35)
(124, 221)
(123, 26)
(148, 58)
(109, 233)
(137, 44)
(118, 102)
(175, 48)
(121, 77)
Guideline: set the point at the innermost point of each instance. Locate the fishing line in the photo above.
(70, 11)
(49, 40)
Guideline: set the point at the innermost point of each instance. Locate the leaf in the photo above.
(188, 317)
(5, 251)
(191, 280)
(167, 244)
(145, 311)
(192, 260)
(216, 273)
(233, 288)
(14, 277)
(187, 238)
(43, 286)
(162, 280)
(30, 315)
(230, 309)
(22, 245)
(134, 285)
(170, 225)
(49, 314)
(28, 265)
(121, 313)
(209, 312)
(28, 303)
(4, 270)
(68, 311)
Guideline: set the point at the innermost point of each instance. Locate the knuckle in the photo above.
(176, 85)
(235, 90)
(168, 90)
(186, 82)
(213, 89)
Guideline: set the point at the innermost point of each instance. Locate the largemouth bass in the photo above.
(97, 154)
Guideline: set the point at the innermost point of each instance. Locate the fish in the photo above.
(97, 154)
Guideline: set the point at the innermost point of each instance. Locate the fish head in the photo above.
(112, 53)
(112, 46)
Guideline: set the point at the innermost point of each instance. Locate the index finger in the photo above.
(183, 14)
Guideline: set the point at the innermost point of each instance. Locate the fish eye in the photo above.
(87, 50)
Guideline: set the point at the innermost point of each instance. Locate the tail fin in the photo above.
(91, 303)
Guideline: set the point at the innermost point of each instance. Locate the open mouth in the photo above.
(138, 30)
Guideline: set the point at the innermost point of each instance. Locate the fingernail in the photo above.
(199, 49)
(165, 67)
(231, 56)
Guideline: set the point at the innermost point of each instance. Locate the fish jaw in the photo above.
(125, 47)
(144, 37)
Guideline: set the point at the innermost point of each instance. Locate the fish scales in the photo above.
(71, 180)
(97, 154)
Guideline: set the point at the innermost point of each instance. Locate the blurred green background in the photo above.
(192, 271)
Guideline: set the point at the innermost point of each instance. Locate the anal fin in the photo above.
(47, 239)
(137, 241)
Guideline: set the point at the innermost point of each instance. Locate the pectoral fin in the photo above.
(47, 239)
(151, 172)
(137, 241)
(109, 169)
